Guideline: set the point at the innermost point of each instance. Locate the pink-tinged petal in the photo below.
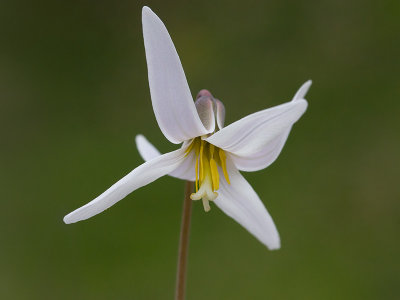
(170, 94)
(141, 176)
(220, 113)
(184, 171)
(204, 106)
(239, 201)
(256, 140)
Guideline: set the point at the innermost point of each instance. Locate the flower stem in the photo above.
(184, 242)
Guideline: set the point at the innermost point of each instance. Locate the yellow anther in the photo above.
(201, 160)
(222, 157)
(212, 150)
(196, 169)
(214, 174)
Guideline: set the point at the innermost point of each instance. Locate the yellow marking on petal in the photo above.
(222, 156)
(187, 151)
(214, 174)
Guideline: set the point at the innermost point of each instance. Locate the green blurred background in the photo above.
(74, 93)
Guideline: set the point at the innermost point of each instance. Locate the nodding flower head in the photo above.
(211, 155)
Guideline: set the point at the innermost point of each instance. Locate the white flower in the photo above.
(211, 155)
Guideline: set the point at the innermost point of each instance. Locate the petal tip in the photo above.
(67, 219)
(272, 240)
(205, 93)
(148, 14)
(139, 138)
(146, 10)
(307, 84)
(302, 91)
(275, 246)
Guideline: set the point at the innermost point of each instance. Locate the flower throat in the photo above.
(208, 158)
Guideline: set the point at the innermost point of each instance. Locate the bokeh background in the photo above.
(74, 93)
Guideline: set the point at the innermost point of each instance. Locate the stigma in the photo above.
(208, 158)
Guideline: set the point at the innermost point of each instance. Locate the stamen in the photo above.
(205, 191)
(222, 156)
(212, 150)
(214, 174)
(201, 160)
(206, 170)
(196, 169)
(195, 145)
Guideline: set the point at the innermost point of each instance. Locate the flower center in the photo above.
(208, 158)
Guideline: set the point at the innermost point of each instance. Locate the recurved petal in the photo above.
(259, 134)
(220, 113)
(239, 201)
(170, 94)
(204, 106)
(184, 171)
(267, 156)
(146, 150)
(302, 91)
(141, 176)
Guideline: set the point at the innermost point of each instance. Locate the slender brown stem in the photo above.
(184, 242)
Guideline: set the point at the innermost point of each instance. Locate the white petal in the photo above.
(184, 171)
(260, 135)
(142, 175)
(269, 154)
(171, 98)
(239, 201)
(302, 91)
(146, 150)
(262, 159)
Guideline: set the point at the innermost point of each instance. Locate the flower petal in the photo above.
(146, 150)
(256, 140)
(302, 91)
(170, 94)
(239, 201)
(184, 171)
(220, 113)
(263, 158)
(204, 106)
(142, 175)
